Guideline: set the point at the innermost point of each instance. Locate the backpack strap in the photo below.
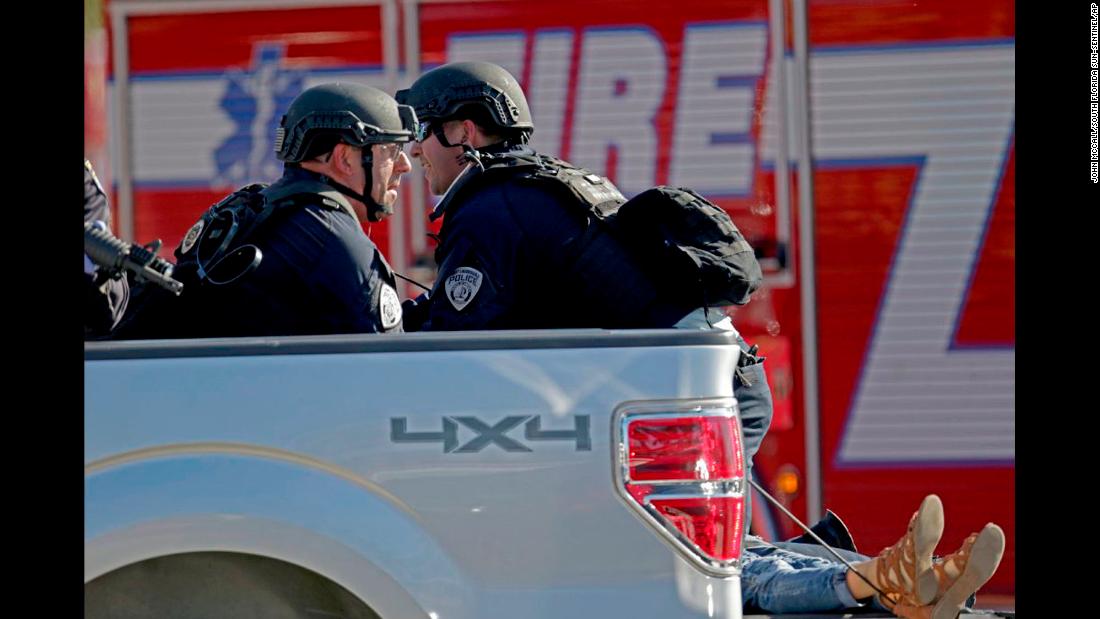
(591, 190)
(300, 190)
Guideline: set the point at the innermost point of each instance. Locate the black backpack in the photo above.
(216, 252)
(213, 248)
(215, 240)
(689, 244)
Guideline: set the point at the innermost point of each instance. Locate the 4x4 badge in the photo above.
(486, 434)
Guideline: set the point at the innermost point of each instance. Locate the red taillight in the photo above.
(684, 473)
(686, 448)
(713, 524)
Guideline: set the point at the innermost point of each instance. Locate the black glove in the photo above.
(414, 312)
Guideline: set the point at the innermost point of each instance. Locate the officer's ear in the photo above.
(470, 133)
(344, 158)
(476, 136)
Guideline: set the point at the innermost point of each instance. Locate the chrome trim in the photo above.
(712, 487)
(434, 341)
(676, 409)
(807, 268)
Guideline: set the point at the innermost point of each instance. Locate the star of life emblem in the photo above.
(389, 307)
(191, 237)
(462, 286)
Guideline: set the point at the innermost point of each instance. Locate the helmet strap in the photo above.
(437, 130)
(469, 153)
(375, 212)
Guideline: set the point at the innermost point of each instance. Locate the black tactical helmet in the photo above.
(439, 93)
(358, 114)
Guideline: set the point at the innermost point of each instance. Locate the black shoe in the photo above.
(832, 531)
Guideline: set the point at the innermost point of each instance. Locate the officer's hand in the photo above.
(414, 312)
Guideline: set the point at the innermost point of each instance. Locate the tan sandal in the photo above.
(959, 575)
(906, 611)
(904, 570)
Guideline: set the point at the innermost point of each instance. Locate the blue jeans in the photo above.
(774, 580)
(802, 551)
(754, 400)
(755, 404)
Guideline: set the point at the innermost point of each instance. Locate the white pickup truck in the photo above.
(573, 473)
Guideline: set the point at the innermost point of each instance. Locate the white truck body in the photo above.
(490, 493)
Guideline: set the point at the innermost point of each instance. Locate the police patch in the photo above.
(389, 307)
(191, 236)
(462, 286)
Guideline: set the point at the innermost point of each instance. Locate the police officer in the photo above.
(516, 248)
(292, 258)
(105, 298)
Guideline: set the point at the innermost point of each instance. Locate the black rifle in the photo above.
(116, 256)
